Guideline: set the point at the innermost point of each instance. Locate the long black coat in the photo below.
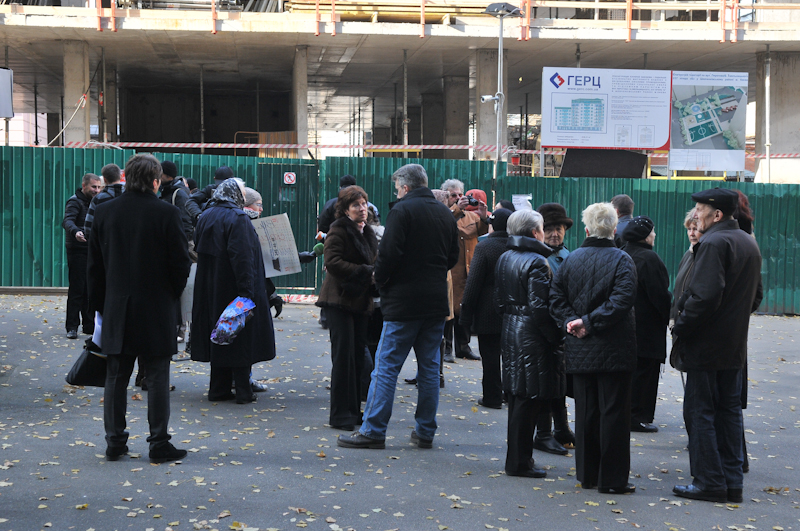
(349, 255)
(419, 246)
(478, 311)
(137, 268)
(653, 301)
(74, 218)
(597, 283)
(715, 309)
(229, 265)
(532, 346)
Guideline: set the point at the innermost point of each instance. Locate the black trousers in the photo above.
(115, 399)
(77, 296)
(603, 428)
(522, 415)
(456, 337)
(644, 389)
(348, 332)
(222, 378)
(489, 345)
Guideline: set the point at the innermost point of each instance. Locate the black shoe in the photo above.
(222, 398)
(532, 472)
(72, 334)
(88, 332)
(484, 404)
(694, 493)
(166, 453)
(550, 445)
(735, 496)
(565, 438)
(343, 427)
(410, 381)
(113, 453)
(643, 427)
(420, 442)
(247, 400)
(258, 387)
(449, 358)
(586, 485)
(630, 488)
(357, 440)
(323, 323)
(468, 355)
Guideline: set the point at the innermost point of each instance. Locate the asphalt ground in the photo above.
(275, 464)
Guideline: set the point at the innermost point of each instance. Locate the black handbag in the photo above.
(90, 367)
(676, 355)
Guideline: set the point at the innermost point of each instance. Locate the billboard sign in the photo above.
(708, 121)
(603, 108)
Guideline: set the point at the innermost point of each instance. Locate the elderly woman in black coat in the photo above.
(591, 299)
(531, 343)
(653, 301)
(350, 252)
(230, 264)
(478, 313)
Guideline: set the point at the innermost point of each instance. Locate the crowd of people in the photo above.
(551, 323)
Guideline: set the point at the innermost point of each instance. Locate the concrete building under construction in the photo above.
(386, 72)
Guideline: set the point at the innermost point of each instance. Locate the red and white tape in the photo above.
(416, 147)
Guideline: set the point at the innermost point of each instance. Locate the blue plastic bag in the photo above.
(232, 320)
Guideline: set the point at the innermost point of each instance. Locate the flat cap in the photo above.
(638, 229)
(723, 199)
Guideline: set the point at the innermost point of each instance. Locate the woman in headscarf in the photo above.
(350, 251)
(229, 265)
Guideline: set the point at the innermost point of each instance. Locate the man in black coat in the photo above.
(77, 248)
(111, 176)
(711, 334)
(174, 191)
(653, 301)
(419, 246)
(623, 204)
(138, 265)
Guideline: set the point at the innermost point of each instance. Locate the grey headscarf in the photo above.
(231, 191)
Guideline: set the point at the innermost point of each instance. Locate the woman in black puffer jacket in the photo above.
(591, 298)
(531, 343)
(478, 312)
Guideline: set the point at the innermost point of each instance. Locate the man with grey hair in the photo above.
(419, 246)
(470, 226)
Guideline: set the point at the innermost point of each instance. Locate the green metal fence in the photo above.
(666, 202)
(35, 184)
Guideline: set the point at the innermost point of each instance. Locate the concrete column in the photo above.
(486, 84)
(76, 81)
(53, 127)
(785, 100)
(456, 115)
(300, 97)
(111, 104)
(432, 124)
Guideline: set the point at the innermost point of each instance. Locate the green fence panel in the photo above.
(35, 185)
(374, 175)
(201, 168)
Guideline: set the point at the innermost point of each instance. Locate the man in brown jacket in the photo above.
(470, 226)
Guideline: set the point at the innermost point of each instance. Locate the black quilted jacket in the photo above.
(478, 311)
(597, 283)
(532, 346)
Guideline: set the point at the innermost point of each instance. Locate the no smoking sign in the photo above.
(289, 177)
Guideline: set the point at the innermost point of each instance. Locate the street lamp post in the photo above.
(500, 10)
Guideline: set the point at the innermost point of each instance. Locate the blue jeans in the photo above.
(397, 339)
(712, 411)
